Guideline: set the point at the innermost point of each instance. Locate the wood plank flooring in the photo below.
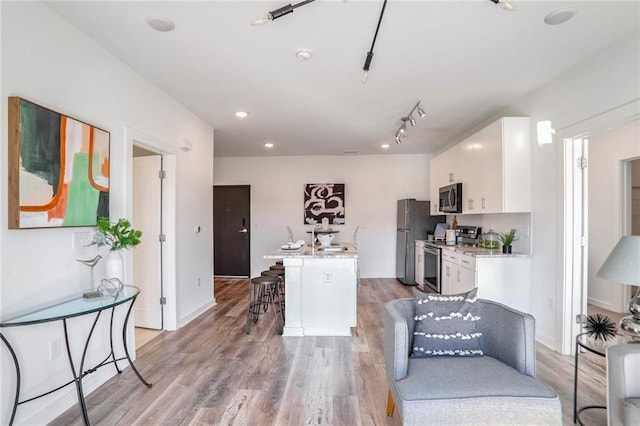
(211, 372)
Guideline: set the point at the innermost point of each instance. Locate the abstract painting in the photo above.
(324, 200)
(58, 169)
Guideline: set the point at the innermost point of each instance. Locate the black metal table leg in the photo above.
(17, 366)
(113, 354)
(126, 349)
(575, 385)
(78, 377)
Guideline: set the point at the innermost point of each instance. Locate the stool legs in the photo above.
(265, 292)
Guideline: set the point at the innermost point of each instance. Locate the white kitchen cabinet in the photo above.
(458, 272)
(506, 280)
(503, 279)
(493, 165)
(501, 164)
(419, 263)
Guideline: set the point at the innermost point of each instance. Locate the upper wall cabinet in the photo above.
(494, 167)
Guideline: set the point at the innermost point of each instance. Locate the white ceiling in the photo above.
(464, 60)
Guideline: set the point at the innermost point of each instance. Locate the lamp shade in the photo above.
(623, 263)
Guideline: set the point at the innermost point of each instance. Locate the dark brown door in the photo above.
(231, 230)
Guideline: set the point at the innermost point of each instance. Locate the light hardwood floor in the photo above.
(211, 372)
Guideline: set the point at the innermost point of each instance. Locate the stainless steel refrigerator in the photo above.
(414, 221)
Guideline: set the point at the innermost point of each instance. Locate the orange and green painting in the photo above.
(63, 170)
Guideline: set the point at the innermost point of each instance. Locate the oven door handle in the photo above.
(431, 250)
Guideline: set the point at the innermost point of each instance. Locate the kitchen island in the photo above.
(320, 290)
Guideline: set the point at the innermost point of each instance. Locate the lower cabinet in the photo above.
(503, 279)
(458, 272)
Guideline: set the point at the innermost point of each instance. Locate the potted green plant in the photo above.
(118, 236)
(507, 239)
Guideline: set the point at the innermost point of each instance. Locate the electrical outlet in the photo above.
(198, 279)
(326, 277)
(55, 348)
(82, 239)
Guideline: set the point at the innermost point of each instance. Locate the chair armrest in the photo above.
(508, 335)
(398, 335)
(623, 370)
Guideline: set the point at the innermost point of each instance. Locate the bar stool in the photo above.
(280, 274)
(265, 292)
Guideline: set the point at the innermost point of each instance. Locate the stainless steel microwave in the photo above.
(451, 198)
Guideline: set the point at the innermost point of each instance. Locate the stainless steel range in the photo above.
(468, 235)
(465, 236)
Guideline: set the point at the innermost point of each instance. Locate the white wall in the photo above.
(373, 184)
(603, 82)
(607, 151)
(46, 60)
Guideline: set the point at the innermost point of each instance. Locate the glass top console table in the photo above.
(62, 312)
(597, 347)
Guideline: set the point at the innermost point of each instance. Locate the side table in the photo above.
(598, 347)
(62, 312)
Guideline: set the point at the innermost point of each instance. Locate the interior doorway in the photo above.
(596, 211)
(147, 173)
(232, 230)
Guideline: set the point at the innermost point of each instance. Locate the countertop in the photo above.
(305, 251)
(479, 251)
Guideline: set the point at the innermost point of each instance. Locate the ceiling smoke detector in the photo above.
(560, 16)
(303, 54)
(160, 23)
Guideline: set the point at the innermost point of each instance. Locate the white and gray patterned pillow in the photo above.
(446, 325)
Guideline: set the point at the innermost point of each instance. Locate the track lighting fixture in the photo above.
(367, 61)
(402, 130)
(277, 13)
(505, 5)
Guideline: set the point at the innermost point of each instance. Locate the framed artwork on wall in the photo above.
(58, 168)
(324, 200)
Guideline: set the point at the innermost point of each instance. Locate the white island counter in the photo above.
(320, 290)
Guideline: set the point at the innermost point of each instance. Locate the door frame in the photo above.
(571, 286)
(168, 153)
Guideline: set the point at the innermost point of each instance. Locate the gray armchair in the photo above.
(623, 385)
(497, 388)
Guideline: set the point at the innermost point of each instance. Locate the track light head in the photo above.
(421, 112)
(365, 68)
(505, 5)
(275, 14)
(398, 140)
(403, 126)
(412, 121)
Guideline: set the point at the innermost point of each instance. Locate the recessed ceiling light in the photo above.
(560, 16)
(241, 114)
(160, 23)
(351, 152)
(268, 144)
(384, 146)
(303, 54)
(259, 21)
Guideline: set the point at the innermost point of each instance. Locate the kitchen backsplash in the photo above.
(501, 222)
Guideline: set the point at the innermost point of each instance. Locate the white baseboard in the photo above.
(196, 313)
(600, 304)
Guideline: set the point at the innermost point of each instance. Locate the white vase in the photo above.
(114, 265)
